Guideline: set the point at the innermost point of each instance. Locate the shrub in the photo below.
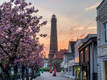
(45, 69)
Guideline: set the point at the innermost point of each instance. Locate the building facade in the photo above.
(88, 58)
(76, 59)
(53, 39)
(67, 57)
(74, 64)
(64, 64)
(58, 58)
(102, 40)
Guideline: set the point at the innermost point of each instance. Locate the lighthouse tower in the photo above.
(53, 39)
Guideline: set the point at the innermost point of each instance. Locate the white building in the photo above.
(76, 59)
(67, 57)
(102, 40)
(74, 64)
(45, 63)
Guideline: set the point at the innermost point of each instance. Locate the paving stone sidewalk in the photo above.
(49, 76)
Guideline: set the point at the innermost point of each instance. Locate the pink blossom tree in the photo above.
(34, 61)
(19, 33)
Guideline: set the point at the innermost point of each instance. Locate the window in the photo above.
(105, 30)
(87, 54)
(81, 57)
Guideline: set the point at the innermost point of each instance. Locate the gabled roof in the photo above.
(78, 42)
(90, 35)
(71, 46)
(92, 38)
(59, 54)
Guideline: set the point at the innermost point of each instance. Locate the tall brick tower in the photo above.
(53, 39)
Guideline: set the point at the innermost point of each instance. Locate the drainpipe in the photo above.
(68, 69)
(94, 75)
(93, 55)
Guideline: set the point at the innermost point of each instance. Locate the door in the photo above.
(105, 70)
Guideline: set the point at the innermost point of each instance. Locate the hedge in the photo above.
(45, 69)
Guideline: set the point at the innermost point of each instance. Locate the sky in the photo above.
(75, 19)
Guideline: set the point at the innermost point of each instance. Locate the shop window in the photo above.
(77, 73)
(84, 75)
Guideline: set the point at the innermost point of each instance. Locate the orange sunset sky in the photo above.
(75, 19)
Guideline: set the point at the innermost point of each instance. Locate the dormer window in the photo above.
(105, 30)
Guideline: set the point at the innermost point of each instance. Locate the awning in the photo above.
(71, 63)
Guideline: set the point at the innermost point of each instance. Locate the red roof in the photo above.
(59, 54)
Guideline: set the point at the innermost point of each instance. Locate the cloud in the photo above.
(90, 27)
(69, 28)
(80, 31)
(72, 39)
(83, 36)
(76, 27)
(61, 33)
(92, 7)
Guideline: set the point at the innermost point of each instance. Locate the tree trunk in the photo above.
(15, 72)
(6, 72)
(23, 72)
(32, 74)
(27, 73)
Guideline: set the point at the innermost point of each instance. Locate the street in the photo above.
(49, 76)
